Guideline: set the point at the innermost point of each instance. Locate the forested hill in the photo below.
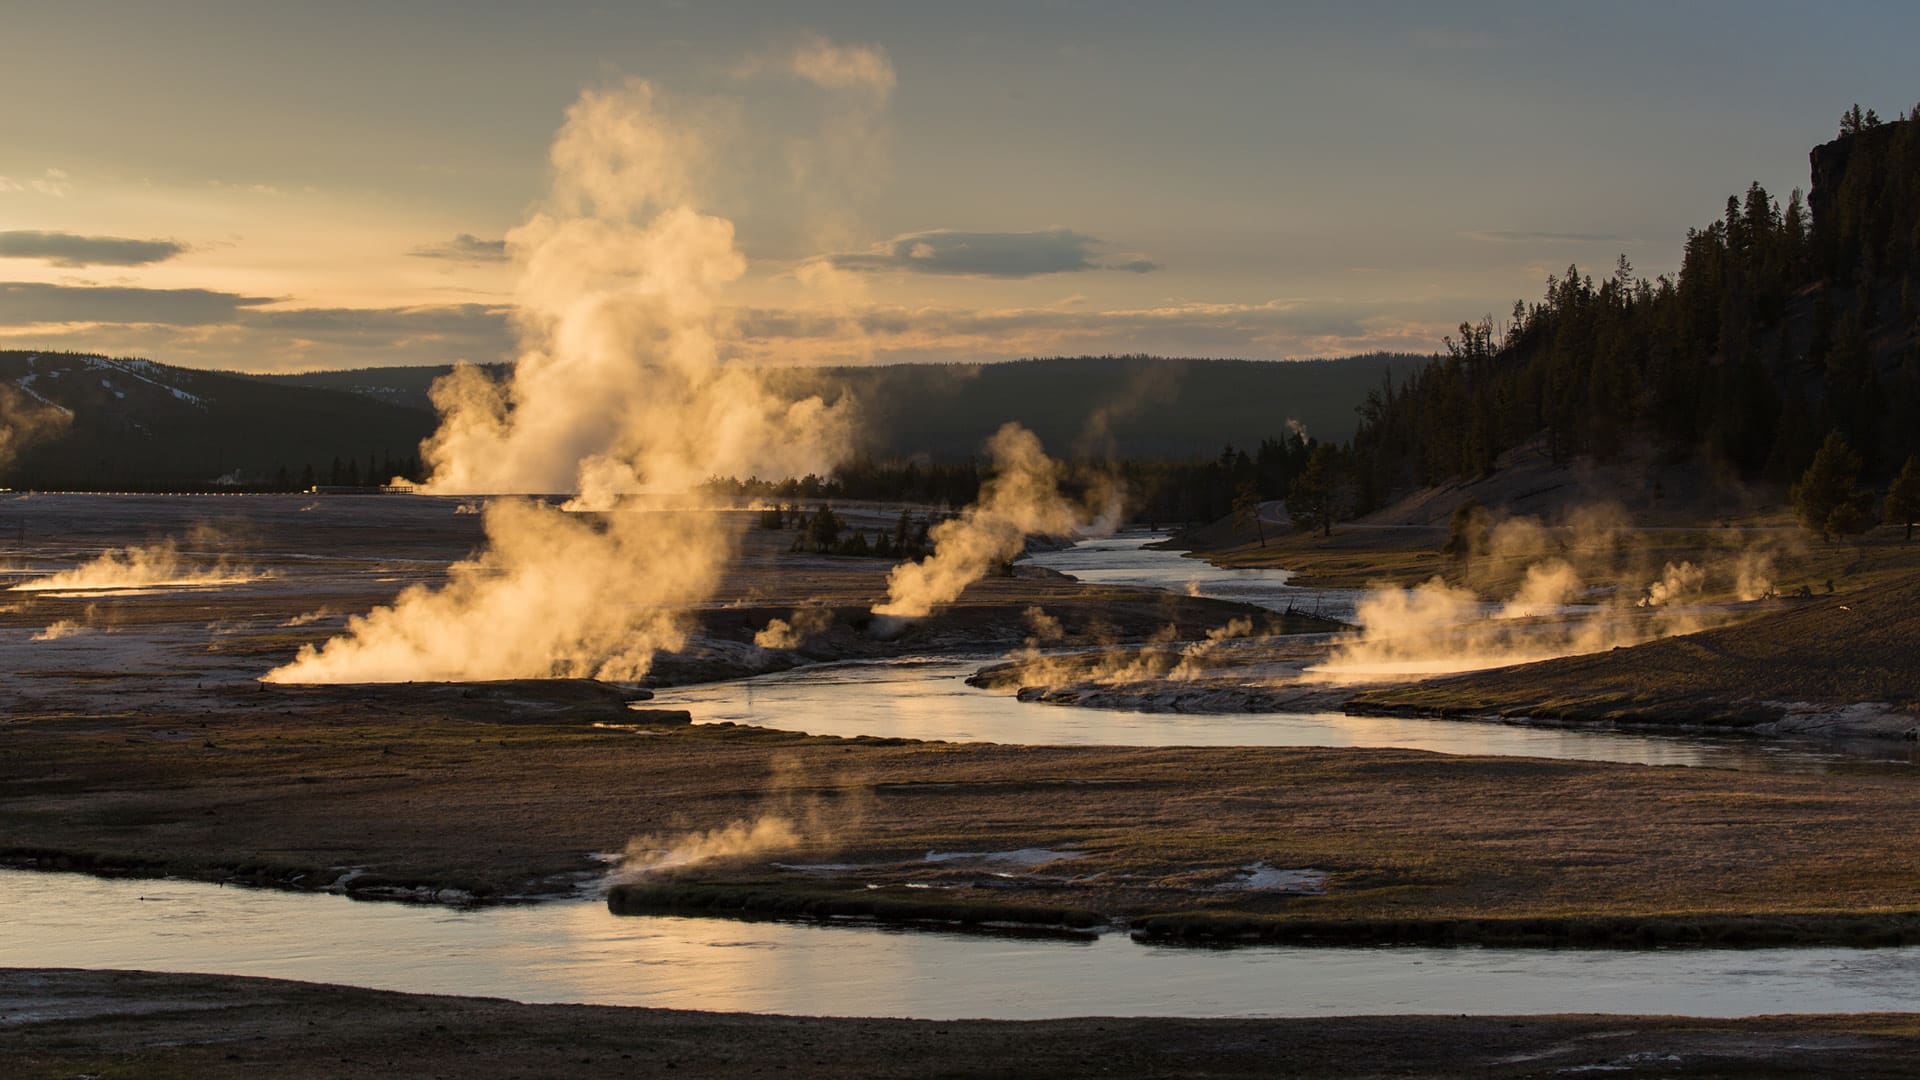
(1134, 406)
(1785, 323)
(78, 421)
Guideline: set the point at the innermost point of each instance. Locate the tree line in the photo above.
(1786, 326)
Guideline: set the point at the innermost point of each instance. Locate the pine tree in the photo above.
(1314, 499)
(1827, 497)
(824, 531)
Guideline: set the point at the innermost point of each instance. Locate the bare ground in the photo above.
(103, 1023)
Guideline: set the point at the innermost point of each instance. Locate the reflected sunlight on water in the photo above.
(576, 951)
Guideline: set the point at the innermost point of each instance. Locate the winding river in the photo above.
(576, 951)
(928, 698)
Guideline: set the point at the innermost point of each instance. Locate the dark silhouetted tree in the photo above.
(1827, 498)
(1317, 495)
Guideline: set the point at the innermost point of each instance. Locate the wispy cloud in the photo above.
(74, 250)
(207, 329)
(1270, 329)
(53, 182)
(817, 60)
(25, 303)
(465, 247)
(991, 254)
(1516, 236)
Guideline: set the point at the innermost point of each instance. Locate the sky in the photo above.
(283, 187)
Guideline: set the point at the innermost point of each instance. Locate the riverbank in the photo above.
(67, 1023)
(409, 798)
(1843, 666)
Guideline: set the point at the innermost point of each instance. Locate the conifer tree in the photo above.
(1827, 498)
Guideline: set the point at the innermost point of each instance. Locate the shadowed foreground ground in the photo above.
(71, 1023)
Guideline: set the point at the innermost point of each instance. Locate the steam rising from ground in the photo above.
(1163, 657)
(24, 421)
(794, 817)
(155, 566)
(1438, 628)
(1021, 499)
(621, 388)
(793, 632)
(651, 856)
(60, 628)
(552, 595)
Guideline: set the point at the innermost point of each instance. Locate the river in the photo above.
(576, 951)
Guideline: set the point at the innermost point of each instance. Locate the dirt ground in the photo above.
(61, 1024)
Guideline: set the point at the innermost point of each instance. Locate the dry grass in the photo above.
(285, 790)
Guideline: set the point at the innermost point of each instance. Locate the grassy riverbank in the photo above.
(407, 797)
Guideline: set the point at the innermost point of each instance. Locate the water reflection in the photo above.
(1125, 559)
(578, 952)
(929, 699)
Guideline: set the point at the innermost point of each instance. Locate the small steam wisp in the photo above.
(152, 566)
(793, 817)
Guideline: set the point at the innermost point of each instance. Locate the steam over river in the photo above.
(929, 699)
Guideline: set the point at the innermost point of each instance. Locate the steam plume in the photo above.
(792, 817)
(23, 422)
(153, 566)
(793, 632)
(621, 388)
(1022, 499)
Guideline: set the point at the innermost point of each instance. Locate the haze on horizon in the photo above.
(284, 187)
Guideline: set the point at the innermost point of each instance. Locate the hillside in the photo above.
(136, 424)
(1135, 406)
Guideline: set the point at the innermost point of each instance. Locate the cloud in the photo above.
(25, 303)
(862, 68)
(844, 67)
(1269, 329)
(53, 182)
(202, 328)
(465, 247)
(483, 327)
(73, 250)
(1513, 236)
(989, 254)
